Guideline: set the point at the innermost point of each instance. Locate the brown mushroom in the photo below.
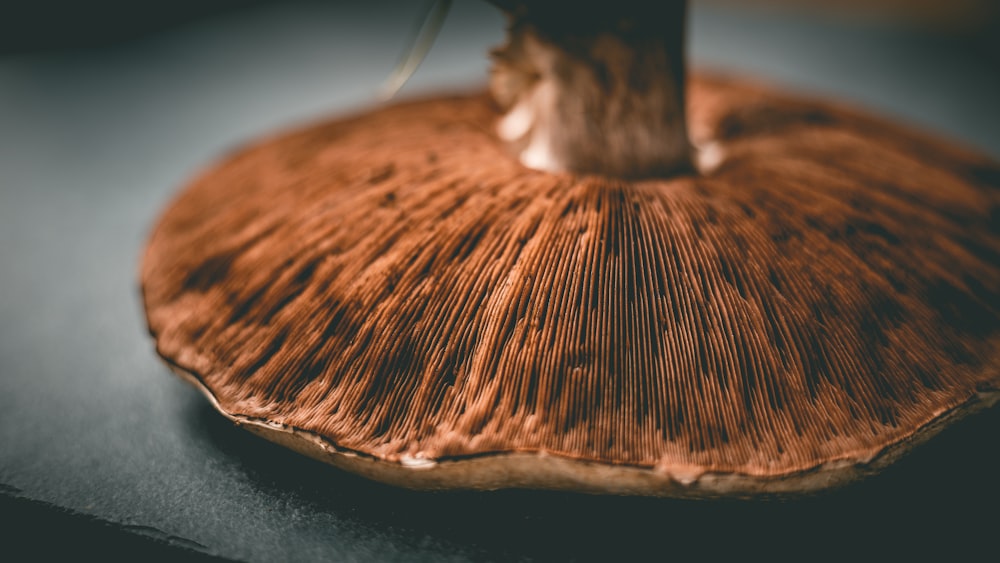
(396, 294)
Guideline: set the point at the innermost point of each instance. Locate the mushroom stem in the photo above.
(594, 89)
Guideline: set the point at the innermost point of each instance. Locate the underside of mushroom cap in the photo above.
(397, 295)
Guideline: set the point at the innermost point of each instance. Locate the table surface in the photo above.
(93, 145)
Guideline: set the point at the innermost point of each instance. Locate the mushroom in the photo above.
(548, 287)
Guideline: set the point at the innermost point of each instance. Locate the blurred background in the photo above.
(108, 107)
(60, 24)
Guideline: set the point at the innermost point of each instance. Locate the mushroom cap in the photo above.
(394, 294)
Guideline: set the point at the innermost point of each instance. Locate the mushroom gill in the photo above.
(394, 293)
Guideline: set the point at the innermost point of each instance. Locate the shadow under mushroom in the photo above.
(931, 499)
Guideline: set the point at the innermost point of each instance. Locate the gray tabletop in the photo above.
(94, 143)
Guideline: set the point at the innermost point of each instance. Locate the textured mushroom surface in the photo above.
(395, 294)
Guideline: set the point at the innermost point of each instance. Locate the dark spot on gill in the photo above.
(985, 174)
(980, 247)
(569, 208)
(453, 207)
(382, 174)
(315, 368)
(776, 336)
(712, 218)
(614, 227)
(273, 347)
(872, 333)
(760, 119)
(731, 278)
(877, 230)
(781, 235)
(209, 273)
(959, 308)
(696, 225)
(298, 285)
(602, 76)
(243, 306)
(401, 358)
(306, 273)
(987, 296)
(814, 365)
(895, 280)
(342, 324)
(281, 303)
(402, 366)
(386, 244)
(469, 242)
(775, 281)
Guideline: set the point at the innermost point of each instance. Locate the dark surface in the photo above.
(48, 25)
(39, 531)
(94, 430)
